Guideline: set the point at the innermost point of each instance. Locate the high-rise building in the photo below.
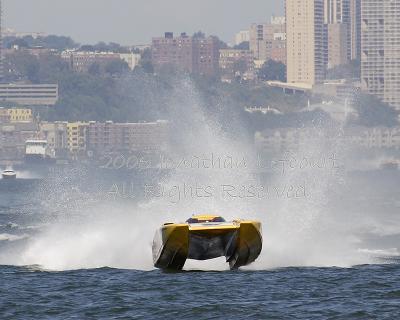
(337, 11)
(380, 54)
(338, 21)
(355, 29)
(337, 44)
(348, 14)
(268, 40)
(198, 55)
(305, 41)
(1, 43)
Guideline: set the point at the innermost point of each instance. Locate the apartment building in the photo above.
(305, 41)
(109, 137)
(56, 135)
(76, 133)
(268, 40)
(380, 55)
(197, 55)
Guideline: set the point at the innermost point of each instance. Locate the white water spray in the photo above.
(298, 231)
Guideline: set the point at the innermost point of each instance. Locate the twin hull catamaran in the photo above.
(204, 237)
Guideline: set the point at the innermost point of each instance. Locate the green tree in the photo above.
(18, 42)
(116, 67)
(57, 42)
(240, 66)
(95, 69)
(373, 112)
(146, 62)
(87, 48)
(21, 66)
(272, 70)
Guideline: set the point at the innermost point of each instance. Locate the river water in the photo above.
(71, 250)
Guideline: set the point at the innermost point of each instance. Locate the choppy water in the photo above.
(101, 264)
(363, 292)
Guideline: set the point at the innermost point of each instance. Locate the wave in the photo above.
(12, 237)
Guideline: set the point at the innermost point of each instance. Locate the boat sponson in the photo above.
(248, 246)
(173, 251)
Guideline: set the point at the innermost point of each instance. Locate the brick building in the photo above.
(109, 137)
(197, 55)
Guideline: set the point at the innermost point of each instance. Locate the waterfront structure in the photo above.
(268, 40)
(305, 41)
(4, 115)
(55, 133)
(29, 94)
(380, 57)
(76, 133)
(282, 139)
(82, 139)
(197, 55)
(242, 36)
(234, 62)
(110, 137)
(13, 137)
(11, 115)
(20, 114)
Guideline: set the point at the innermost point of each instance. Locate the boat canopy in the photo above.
(205, 218)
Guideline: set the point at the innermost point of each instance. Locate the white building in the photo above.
(132, 59)
(242, 36)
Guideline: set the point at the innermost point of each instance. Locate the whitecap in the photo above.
(12, 237)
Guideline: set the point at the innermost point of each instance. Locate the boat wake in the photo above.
(315, 218)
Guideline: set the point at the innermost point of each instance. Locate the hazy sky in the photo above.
(134, 21)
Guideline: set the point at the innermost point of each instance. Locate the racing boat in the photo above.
(204, 237)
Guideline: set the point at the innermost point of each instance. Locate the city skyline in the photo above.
(134, 24)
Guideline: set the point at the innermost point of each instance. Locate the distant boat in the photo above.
(9, 174)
